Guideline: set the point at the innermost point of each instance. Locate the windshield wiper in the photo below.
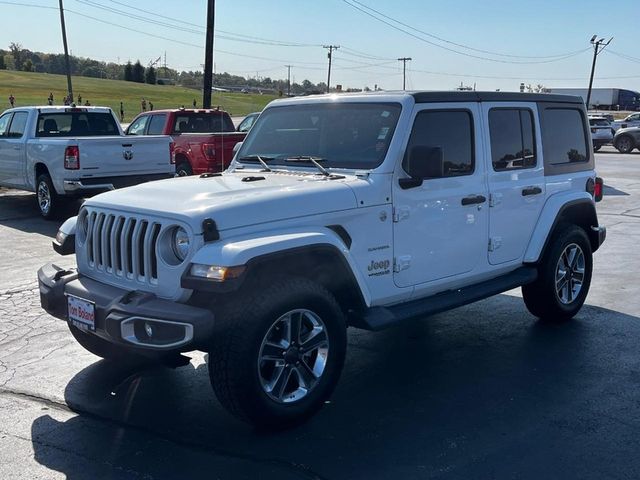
(259, 159)
(309, 158)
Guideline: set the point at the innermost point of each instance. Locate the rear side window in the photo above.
(202, 123)
(18, 124)
(564, 136)
(156, 124)
(450, 131)
(512, 139)
(4, 123)
(76, 124)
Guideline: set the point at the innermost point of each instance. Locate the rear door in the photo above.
(516, 177)
(441, 226)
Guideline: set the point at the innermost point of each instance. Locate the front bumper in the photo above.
(121, 316)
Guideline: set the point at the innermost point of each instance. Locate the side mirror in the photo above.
(423, 161)
(236, 147)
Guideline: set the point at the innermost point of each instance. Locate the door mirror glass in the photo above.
(236, 147)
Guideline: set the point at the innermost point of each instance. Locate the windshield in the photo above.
(213, 122)
(344, 135)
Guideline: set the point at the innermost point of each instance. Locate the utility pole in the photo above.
(288, 80)
(598, 46)
(66, 52)
(331, 48)
(404, 61)
(208, 56)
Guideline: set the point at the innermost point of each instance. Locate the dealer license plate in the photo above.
(81, 313)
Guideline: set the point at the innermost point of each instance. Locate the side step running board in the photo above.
(379, 318)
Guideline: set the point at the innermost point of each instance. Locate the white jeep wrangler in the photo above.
(354, 210)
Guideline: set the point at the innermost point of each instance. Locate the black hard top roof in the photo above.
(466, 96)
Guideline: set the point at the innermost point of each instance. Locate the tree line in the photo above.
(22, 59)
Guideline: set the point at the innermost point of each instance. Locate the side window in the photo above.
(449, 132)
(156, 124)
(4, 123)
(18, 124)
(564, 137)
(137, 127)
(246, 124)
(512, 139)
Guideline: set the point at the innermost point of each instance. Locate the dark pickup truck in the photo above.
(204, 138)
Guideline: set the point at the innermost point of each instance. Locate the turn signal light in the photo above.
(72, 158)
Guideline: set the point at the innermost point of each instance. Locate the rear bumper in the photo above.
(598, 236)
(121, 316)
(91, 186)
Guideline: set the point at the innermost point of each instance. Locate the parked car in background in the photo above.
(626, 139)
(204, 138)
(601, 132)
(247, 123)
(632, 120)
(62, 153)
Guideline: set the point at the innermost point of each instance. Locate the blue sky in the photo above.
(516, 30)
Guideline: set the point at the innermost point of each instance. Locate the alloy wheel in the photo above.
(570, 273)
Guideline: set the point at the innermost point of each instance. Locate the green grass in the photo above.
(33, 89)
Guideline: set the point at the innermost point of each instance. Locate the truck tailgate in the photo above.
(114, 156)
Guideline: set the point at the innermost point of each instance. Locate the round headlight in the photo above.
(180, 243)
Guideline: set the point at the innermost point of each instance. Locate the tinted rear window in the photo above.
(598, 122)
(76, 124)
(202, 123)
(564, 137)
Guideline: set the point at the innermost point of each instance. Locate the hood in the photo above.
(234, 199)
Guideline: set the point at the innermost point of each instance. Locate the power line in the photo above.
(382, 20)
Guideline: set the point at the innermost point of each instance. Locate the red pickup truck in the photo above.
(204, 139)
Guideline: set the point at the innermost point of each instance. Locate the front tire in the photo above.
(564, 277)
(278, 354)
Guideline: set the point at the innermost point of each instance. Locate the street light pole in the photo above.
(66, 51)
(598, 46)
(288, 80)
(208, 56)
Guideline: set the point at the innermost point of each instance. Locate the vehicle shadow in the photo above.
(19, 210)
(484, 391)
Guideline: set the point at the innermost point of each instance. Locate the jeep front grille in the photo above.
(123, 246)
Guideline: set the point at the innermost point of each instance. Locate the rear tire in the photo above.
(49, 202)
(261, 370)
(183, 170)
(624, 144)
(564, 277)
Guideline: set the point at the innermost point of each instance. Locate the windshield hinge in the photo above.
(400, 213)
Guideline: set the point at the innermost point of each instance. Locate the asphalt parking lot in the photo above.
(481, 392)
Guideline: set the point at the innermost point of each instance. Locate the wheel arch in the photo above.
(579, 211)
(321, 255)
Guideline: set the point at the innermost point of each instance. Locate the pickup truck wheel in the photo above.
(102, 348)
(564, 277)
(49, 202)
(184, 170)
(279, 353)
(624, 144)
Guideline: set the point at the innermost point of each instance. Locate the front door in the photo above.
(516, 178)
(14, 150)
(441, 226)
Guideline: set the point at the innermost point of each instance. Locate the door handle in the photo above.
(16, 147)
(531, 191)
(473, 199)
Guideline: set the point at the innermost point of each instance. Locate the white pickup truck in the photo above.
(68, 152)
